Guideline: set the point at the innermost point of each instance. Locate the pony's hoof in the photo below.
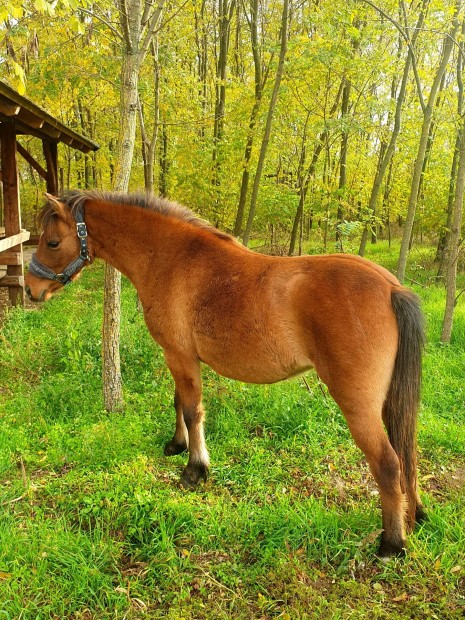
(173, 447)
(389, 548)
(420, 514)
(192, 475)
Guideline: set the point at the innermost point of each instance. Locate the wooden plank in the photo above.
(10, 242)
(10, 258)
(12, 281)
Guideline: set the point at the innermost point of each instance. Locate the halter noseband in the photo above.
(42, 271)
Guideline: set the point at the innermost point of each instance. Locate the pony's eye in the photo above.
(53, 244)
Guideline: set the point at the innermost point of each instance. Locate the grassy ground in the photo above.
(93, 524)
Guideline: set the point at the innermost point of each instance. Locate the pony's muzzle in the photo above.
(27, 290)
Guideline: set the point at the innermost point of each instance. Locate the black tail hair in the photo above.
(400, 408)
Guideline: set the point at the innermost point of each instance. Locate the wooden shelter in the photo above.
(20, 116)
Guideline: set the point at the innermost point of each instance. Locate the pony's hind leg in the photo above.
(180, 441)
(369, 435)
(186, 375)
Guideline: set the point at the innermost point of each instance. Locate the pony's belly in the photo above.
(256, 368)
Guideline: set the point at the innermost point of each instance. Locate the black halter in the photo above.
(42, 271)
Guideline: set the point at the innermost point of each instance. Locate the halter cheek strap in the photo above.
(42, 271)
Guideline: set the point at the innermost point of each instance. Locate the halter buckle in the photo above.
(81, 230)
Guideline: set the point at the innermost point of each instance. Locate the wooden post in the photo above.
(50, 150)
(12, 215)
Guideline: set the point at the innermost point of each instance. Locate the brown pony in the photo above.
(258, 319)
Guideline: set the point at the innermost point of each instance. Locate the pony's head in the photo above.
(62, 251)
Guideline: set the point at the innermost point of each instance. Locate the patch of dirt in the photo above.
(444, 481)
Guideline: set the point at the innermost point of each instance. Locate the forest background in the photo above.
(346, 129)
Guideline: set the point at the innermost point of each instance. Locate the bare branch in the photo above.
(409, 45)
(104, 21)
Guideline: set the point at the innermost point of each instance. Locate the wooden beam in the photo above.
(12, 215)
(10, 242)
(68, 140)
(31, 161)
(12, 281)
(9, 109)
(51, 131)
(50, 150)
(31, 119)
(10, 258)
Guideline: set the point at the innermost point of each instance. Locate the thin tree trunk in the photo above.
(452, 249)
(443, 241)
(448, 44)
(269, 120)
(303, 186)
(343, 157)
(164, 164)
(389, 152)
(201, 45)
(260, 81)
(305, 180)
(138, 27)
(112, 384)
(444, 237)
(225, 14)
(149, 144)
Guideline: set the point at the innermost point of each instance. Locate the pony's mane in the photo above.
(76, 199)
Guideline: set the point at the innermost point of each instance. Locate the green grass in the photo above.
(93, 524)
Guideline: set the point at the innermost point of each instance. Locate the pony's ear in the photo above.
(58, 206)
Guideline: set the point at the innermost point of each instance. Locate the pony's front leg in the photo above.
(180, 441)
(188, 400)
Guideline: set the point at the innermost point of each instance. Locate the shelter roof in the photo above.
(30, 119)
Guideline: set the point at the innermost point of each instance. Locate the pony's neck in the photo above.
(128, 238)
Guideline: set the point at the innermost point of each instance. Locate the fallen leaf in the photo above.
(456, 569)
(400, 598)
(4, 575)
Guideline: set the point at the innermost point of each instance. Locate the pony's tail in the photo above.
(401, 404)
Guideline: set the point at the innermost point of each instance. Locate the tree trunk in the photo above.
(452, 249)
(305, 180)
(448, 44)
(443, 241)
(224, 17)
(138, 27)
(260, 81)
(343, 158)
(112, 384)
(269, 120)
(386, 157)
(444, 237)
(202, 58)
(149, 144)
(303, 186)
